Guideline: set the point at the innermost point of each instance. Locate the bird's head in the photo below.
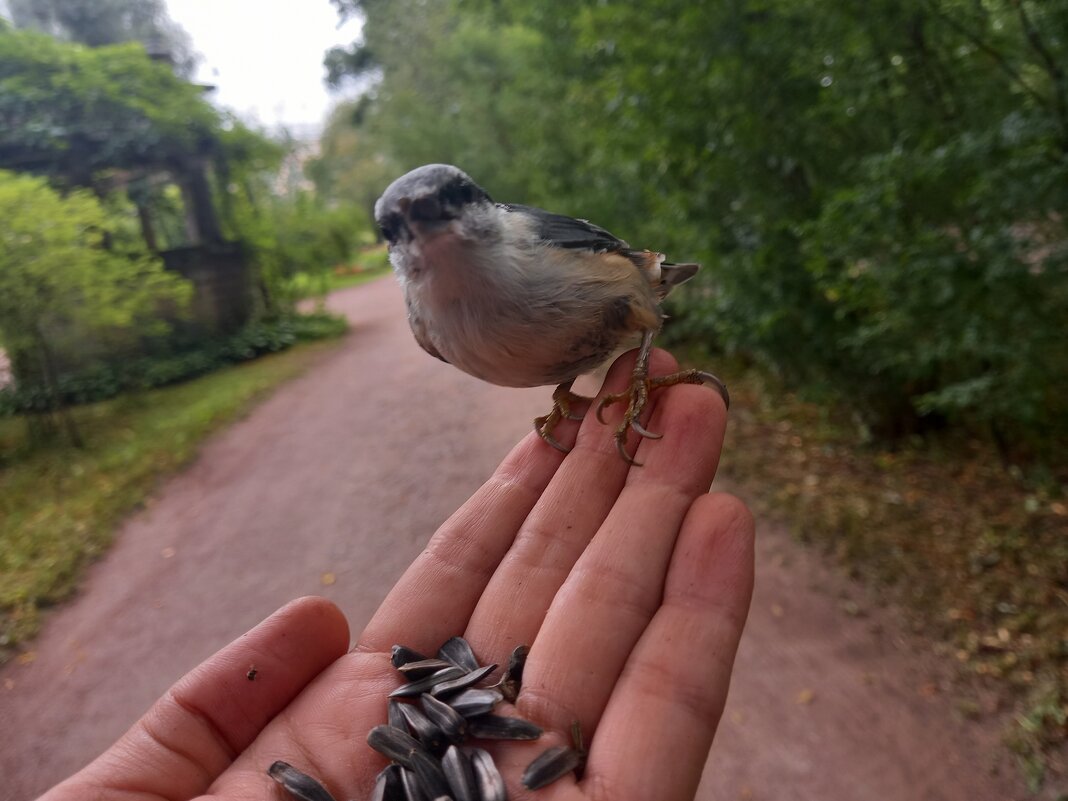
(428, 203)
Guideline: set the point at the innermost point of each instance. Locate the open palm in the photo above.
(630, 584)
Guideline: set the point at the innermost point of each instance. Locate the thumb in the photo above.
(194, 732)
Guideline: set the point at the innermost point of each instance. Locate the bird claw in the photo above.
(545, 425)
(637, 397)
(563, 399)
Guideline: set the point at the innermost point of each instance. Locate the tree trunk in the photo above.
(202, 223)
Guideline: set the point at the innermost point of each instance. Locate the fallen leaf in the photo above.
(806, 696)
(929, 690)
(737, 718)
(168, 552)
(777, 610)
(327, 579)
(27, 657)
(9, 684)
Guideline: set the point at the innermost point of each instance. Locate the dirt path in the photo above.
(340, 474)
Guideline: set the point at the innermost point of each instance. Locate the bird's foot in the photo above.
(563, 402)
(637, 397)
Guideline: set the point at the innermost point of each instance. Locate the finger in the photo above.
(558, 529)
(440, 589)
(617, 585)
(195, 731)
(654, 736)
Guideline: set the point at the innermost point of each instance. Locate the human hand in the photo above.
(631, 585)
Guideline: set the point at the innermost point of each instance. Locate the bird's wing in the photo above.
(562, 231)
(568, 232)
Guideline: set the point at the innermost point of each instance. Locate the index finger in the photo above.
(441, 588)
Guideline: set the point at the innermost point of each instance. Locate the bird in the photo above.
(521, 297)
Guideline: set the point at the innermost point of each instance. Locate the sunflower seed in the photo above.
(498, 727)
(395, 715)
(553, 764)
(424, 729)
(475, 702)
(458, 651)
(413, 791)
(402, 655)
(428, 682)
(512, 679)
(462, 682)
(431, 776)
(460, 774)
(388, 785)
(297, 784)
(490, 783)
(393, 744)
(443, 798)
(444, 717)
(422, 668)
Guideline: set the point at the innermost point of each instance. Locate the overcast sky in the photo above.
(265, 56)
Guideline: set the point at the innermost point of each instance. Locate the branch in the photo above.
(1056, 73)
(998, 58)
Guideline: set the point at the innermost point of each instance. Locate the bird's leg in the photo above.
(563, 398)
(637, 395)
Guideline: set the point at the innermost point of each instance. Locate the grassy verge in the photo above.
(975, 552)
(60, 506)
(370, 264)
(345, 280)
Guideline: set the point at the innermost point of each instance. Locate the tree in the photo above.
(60, 286)
(878, 190)
(71, 111)
(349, 169)
(106, 22)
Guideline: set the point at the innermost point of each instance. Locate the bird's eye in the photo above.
(390, 227)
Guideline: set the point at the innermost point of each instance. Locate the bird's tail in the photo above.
(671, 275)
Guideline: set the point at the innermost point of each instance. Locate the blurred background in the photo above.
(877, 191)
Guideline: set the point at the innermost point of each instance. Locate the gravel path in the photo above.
(334, 484)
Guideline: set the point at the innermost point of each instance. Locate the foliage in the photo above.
(348, 169)
(288, 228)
(60, 506)
(71, 111)
(105, 22)
(879, 191)
(60, 287)
(107, 379)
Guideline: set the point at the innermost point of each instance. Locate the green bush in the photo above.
(106, 380)
(69, 283)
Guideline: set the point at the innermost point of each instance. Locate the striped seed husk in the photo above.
(427, 683)
(552, 764)
(458, 651)
(460, 774)
(490, 782)
(297, 783)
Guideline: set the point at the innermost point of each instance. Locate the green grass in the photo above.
(346, 280)
(370, 264)
(60, 506)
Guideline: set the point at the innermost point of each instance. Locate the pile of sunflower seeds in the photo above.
(431, 717)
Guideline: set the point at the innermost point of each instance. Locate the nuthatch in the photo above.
(521, 297)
